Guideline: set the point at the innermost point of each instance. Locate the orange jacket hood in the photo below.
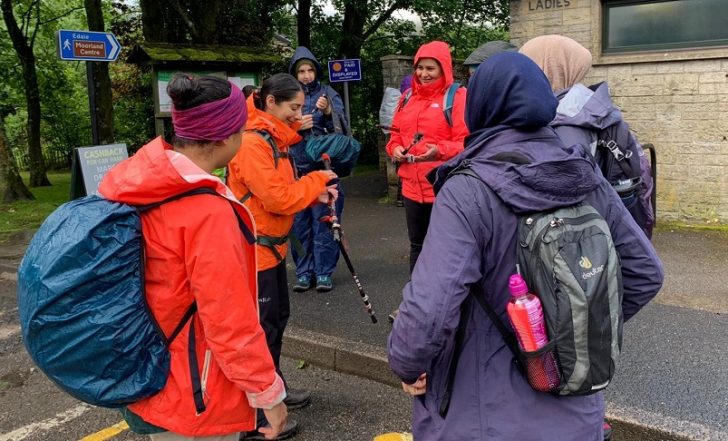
(285, 135)
(440, 51)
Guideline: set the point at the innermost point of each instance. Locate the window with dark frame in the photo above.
(650, 25)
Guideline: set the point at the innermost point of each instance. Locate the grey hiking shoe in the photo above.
(297, 398)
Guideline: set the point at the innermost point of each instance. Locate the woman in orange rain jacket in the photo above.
(262, 176)
(221, 368)
(421, 111)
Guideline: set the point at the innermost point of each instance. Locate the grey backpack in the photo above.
(568, 259)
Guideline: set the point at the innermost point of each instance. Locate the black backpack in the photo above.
(568, 259)
(623, 163)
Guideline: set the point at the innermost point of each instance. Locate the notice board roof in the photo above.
(161, 53)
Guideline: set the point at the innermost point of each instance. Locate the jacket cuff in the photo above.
(269, 397)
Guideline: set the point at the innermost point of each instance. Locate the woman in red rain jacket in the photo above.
(421, 110)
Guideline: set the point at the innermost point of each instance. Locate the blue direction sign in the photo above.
(87, 46)
(345, 70)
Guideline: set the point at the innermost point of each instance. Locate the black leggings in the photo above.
(418, 219)
(274, 308)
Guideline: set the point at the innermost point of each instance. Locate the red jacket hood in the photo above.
(155, 173)
(440, 51)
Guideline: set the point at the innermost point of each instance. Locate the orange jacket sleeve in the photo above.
(274, 186)
(449, 148)
(220, 283)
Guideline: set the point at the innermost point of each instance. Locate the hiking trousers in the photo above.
(274, 308)
(418, 219)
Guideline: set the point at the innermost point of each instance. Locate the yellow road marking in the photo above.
(394, 437)
(107, 433)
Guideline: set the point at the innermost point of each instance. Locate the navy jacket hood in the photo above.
(301, 53)
(508, 90)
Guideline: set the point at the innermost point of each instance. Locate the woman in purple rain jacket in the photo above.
(471, 241)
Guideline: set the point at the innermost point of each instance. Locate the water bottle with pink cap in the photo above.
(526, 316)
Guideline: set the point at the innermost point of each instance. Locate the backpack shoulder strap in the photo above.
(406, 97)
(193, 192)
(508, 336)
(339, 121)
(277, 154)
(448, 100)
(609, 139)
(249, 237)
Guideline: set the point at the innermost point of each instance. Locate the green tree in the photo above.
(15, 188)
(133, 103)
(102, 105)
(229, 22)
(23, 39)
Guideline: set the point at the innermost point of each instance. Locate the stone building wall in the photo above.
(676, 100)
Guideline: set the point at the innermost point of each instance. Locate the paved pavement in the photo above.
(673, 379)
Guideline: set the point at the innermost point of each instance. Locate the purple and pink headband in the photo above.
(213, 121)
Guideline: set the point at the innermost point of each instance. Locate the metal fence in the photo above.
(55, 159)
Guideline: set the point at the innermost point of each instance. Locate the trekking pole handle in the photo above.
(415, 140)
(326, 160)
(332, 210)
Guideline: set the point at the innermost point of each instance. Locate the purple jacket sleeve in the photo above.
(642, 273)
(450, 261)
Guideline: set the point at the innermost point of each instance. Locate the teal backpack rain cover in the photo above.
(83, 313)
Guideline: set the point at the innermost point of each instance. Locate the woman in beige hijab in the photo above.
(587, 116)
(564, 61)
(584, 116)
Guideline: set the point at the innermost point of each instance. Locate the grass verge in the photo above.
(28, 215)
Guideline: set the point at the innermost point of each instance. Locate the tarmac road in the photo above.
(673, 375)
(32, 408)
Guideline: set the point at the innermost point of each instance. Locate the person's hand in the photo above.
(429, 155)
(277, 417)
(331, 192)
(330, 189)
(329, 174)
(323, 105)
(419, 387)
(397, 155)
(306, 122)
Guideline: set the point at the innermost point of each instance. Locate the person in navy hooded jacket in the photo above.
(317, 260)
(471, 241)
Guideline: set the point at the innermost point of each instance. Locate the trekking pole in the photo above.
(338, 233)
(415, 140)
(418, 136)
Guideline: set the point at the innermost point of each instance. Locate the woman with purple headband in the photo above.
(221, 369)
